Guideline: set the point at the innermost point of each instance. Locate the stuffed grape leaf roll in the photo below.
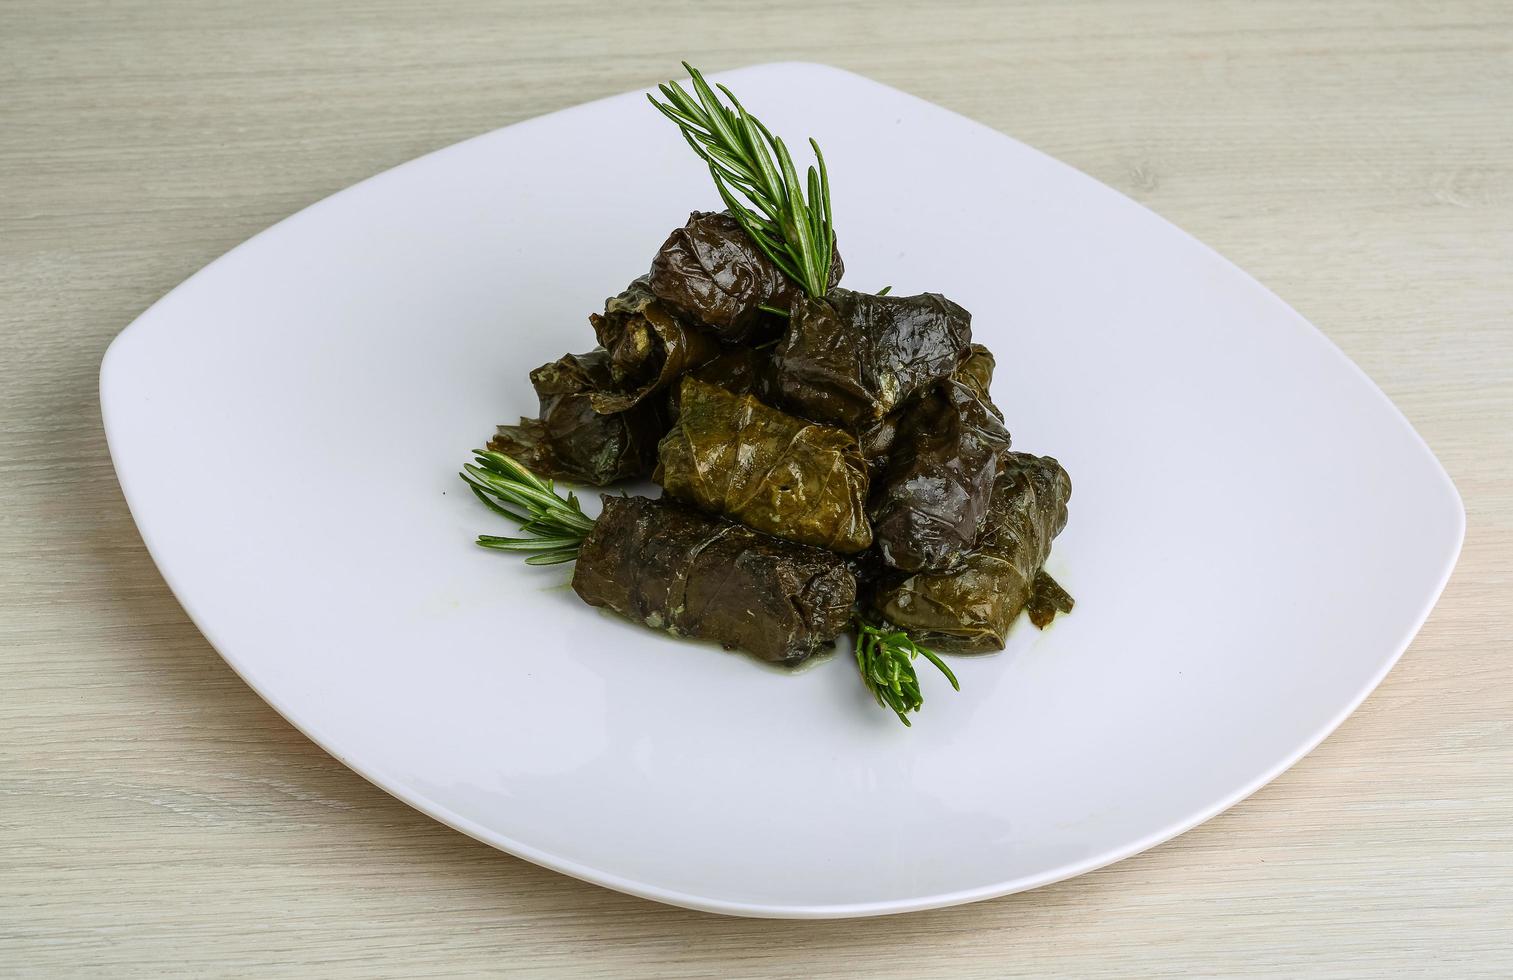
(675, 569)
(571, 440)
(713, 272)
(649, 347)
(971, 609)
(931, 503)
(738, 370)
(851, 358)
(730, 454)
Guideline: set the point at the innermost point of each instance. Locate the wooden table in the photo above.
(156, 816)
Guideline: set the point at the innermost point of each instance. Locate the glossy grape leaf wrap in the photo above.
(730, 454)
(930, 505)
(713, 272)
(738, 370)
(672, 568)
(972, 608)
(571, 440)
(850, 359)
(649, 347)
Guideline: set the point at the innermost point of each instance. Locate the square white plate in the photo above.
(1256, 533)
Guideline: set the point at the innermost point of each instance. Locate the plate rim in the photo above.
(377, 776)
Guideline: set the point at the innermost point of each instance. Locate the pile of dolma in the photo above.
(820, 459)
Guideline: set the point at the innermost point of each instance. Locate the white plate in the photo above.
(1256, 533)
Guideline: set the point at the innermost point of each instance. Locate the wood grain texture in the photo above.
(157, 818)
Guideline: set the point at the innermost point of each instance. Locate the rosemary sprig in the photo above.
(746, 160)
(779, 311)
(556, 525)
(886, 661)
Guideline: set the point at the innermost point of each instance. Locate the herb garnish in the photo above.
(556, 524)
(793, 231)
(886, 661)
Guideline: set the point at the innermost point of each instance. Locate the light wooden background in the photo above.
(156, 816)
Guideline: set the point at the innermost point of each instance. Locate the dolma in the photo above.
(713, 272)
(971, 609)
(851, 358)
(738, 370)
(649, 347)
(730, 454)
(571, 440)
(931, 503)
(675, 569)
(877, 438)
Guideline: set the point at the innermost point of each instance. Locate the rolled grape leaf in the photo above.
(877, 438)
(573, 441)
(730, 454)
(929, 506)
(649, 348)
(713, 272)
(851, 358)
(970, 610)
(738, 370)
(675, 569)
